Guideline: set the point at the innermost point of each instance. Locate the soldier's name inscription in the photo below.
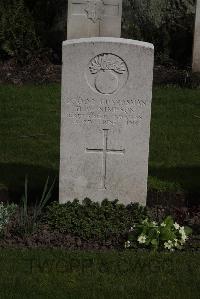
(103, 111)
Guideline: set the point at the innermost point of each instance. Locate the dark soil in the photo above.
(46, 238)
(40, 71)
(172, 199)
(37, 72)
(172, 75)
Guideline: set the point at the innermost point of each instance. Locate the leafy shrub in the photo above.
(29, 25)
(91, 220)
(6, 211)
(50, 18)
(166, 235)
(17, 31)
(167, 24)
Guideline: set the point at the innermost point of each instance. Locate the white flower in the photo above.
(127, 244)
(168, 245)
(183, 234)
(132, 228)
(181, 229)
(142, 239)
(163, 224)
(175, 242)
(177, 226)
(154, 223)
(184, 237)
(178, 243)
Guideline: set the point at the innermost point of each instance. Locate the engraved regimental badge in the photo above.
(107, 73)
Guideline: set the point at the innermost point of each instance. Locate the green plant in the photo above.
(6, 211)
(168, 24)
(29, 217)
(166, 235)
(91, 220)
(18, 37)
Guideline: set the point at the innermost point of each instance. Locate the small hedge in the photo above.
(91, 220)
(91, 225)
(18, 37)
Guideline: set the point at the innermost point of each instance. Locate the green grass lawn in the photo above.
(29, 137)
(35, 274)
(29, 143)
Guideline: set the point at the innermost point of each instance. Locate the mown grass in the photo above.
(29, 137)
(174, 162)
(29, 134)
(32, 274)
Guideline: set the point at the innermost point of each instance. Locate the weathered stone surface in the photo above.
(88, 18)
(196, 50)
(105, 122)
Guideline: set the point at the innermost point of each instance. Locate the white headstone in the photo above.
(196, 49)
(105, 122)
(88, 18)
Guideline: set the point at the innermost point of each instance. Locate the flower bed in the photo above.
(108, 225)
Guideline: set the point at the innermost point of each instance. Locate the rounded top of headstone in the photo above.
(109, 40)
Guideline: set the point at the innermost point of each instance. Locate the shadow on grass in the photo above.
(174, 186)
(12, 177)
(187, 178)
(179, 184)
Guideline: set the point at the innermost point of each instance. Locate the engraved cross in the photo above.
(105, 151)
(94, 10)
(87, 18)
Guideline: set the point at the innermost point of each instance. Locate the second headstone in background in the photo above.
(94, 18)
(196, 50)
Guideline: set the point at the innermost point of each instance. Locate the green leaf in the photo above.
(188, 230)
(166, 234)
(153, 233)
(132, 237)
(169, 221)
(154, 242)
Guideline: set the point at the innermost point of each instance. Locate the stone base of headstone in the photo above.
(196, 46)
